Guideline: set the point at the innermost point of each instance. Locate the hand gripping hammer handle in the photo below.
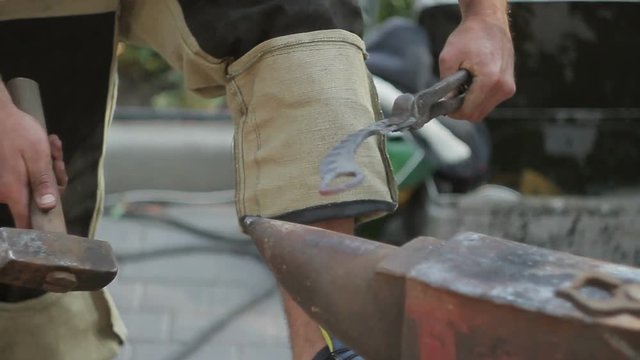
(47, 257)
(25, 94)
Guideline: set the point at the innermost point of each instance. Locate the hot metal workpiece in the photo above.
(471, 297)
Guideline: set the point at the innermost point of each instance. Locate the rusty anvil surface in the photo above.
(471, 297)
(54, 261)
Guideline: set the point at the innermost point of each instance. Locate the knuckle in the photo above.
(64, 179)
(504, 88)
(445, 58)
(493, 76)
(461, 115)
(509, 87)
(42, 180)
(37, 143)
(444, 55)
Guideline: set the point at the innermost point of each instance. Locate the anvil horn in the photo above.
(332, 276)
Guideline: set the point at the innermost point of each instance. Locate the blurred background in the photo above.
(557, 166)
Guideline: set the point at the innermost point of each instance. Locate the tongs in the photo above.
(408, 112)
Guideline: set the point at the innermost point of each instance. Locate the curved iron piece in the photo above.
(341, 159)
(619, 300)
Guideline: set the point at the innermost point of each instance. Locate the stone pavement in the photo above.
(186, 294)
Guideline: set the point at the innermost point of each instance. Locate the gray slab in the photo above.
(178, 155)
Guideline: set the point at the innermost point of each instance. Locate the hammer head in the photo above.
(54, 261)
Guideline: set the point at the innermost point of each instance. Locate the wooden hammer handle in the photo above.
(25, 94)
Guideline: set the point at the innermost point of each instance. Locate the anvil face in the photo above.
(28, 256)
(479, 297)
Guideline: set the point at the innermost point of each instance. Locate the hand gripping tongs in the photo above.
(409, 112)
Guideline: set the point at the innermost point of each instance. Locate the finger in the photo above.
(487, 90)
(475, 105)
(59, 168)
(61, 175)
(56, 147)
(41, 177)
(448, 62)
(60, 172)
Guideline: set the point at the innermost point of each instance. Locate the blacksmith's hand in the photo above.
(481, 44)
(27, 160)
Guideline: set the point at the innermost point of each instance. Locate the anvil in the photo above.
(470, 297)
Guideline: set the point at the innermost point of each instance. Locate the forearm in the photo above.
(495, 10)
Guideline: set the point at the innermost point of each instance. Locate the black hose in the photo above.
(217, 326)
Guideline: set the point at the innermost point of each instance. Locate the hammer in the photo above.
(46, 257)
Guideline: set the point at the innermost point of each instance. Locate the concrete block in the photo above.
(177, 155)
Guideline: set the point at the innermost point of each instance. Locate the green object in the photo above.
(410, 167)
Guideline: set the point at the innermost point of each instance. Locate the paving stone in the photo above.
(154, 351)
(230, 296)
(162, 236)
(126, 353)
(124, 235)
(263, 325)
(216, 303)
(252, 352)
(147, 326)
(192, 298)
(215, 218)
(219, 352)
(189, 324)
(128, 295)
(198, 269)
(170, 297)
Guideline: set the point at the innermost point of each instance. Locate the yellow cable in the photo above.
(327, 339)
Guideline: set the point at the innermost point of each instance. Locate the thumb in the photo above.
(41, 178)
